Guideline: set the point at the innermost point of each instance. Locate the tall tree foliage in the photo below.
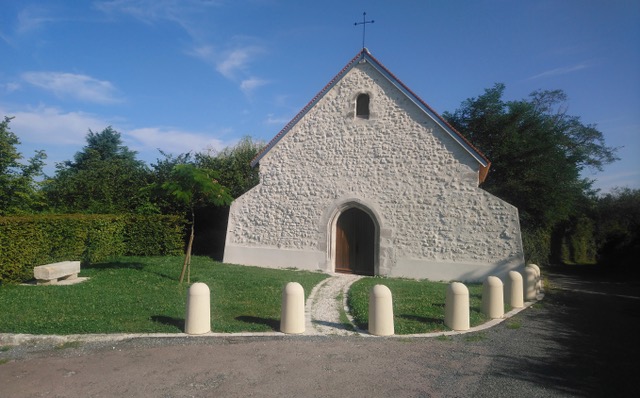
(19, 190)
(105, 177)
(161, 172)
(233, 165)
(618, 227)
(537, 151)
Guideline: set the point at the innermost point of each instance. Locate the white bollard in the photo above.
(381, 311)
(493, 297)
(456, 307)
(538, 276)
(292, 311)
(515, 288)
(198, 318)
(530, 283)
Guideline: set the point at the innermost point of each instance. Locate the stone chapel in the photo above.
(368, 179)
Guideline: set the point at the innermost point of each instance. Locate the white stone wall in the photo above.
(421, 186)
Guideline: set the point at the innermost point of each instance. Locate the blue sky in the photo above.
(187, 75)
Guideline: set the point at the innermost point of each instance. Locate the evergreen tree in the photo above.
(105, 177)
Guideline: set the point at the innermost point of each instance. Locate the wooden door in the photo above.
(342, 249)
(355, 243)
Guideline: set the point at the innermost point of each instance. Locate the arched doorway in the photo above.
(355, 243)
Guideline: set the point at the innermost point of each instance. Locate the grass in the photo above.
(142, 295)
(418, 306)
(514, 324)
(344, 319)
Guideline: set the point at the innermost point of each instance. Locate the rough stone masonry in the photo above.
(410, 172)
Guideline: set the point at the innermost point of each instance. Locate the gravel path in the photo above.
(325, 303)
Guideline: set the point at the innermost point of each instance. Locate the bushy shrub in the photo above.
(28, 241)
(537, 245)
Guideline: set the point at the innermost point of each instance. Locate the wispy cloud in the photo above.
(560, 71)
(271, 119)
(173, 140)
(29, 19)
(10, 87)
(231, 58)
(236, 60)
(181, 12)
(229, 63)
(248, 85)
(76, 86)
(52, 126)
(32, 18)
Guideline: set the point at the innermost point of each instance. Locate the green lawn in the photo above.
(418, 306)
(142, 294)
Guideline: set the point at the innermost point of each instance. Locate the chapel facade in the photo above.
(368, 179)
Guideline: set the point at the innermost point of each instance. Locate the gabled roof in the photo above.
(365, 56)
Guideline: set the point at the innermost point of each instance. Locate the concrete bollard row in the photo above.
(456, 307)
(292, 310)
(530, 284)
(198, 316)
(538, 276)
(292, 320)
(380, 311)
(515, 292)
(493, 297)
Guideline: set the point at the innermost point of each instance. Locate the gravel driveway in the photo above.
(581, 340)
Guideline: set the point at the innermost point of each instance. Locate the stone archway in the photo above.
(355, 242)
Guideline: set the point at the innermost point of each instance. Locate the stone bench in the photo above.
(50, 274)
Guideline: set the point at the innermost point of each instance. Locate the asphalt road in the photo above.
(581, 340)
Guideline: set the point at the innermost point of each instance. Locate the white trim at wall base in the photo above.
(454, 271)
(311, 260)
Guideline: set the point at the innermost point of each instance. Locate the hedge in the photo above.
(28, 241)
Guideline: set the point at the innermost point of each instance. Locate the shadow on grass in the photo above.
(421, 319)
(137, 266)
(115, 265)
(270, 322)
(167, 320)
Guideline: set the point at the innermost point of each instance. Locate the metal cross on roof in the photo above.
(364, 25)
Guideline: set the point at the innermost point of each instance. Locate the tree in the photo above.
(161, 172)
(538, 152)
(19, 191)
(195, 187)
(105, 177)
(618, 228)
(233, 165)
